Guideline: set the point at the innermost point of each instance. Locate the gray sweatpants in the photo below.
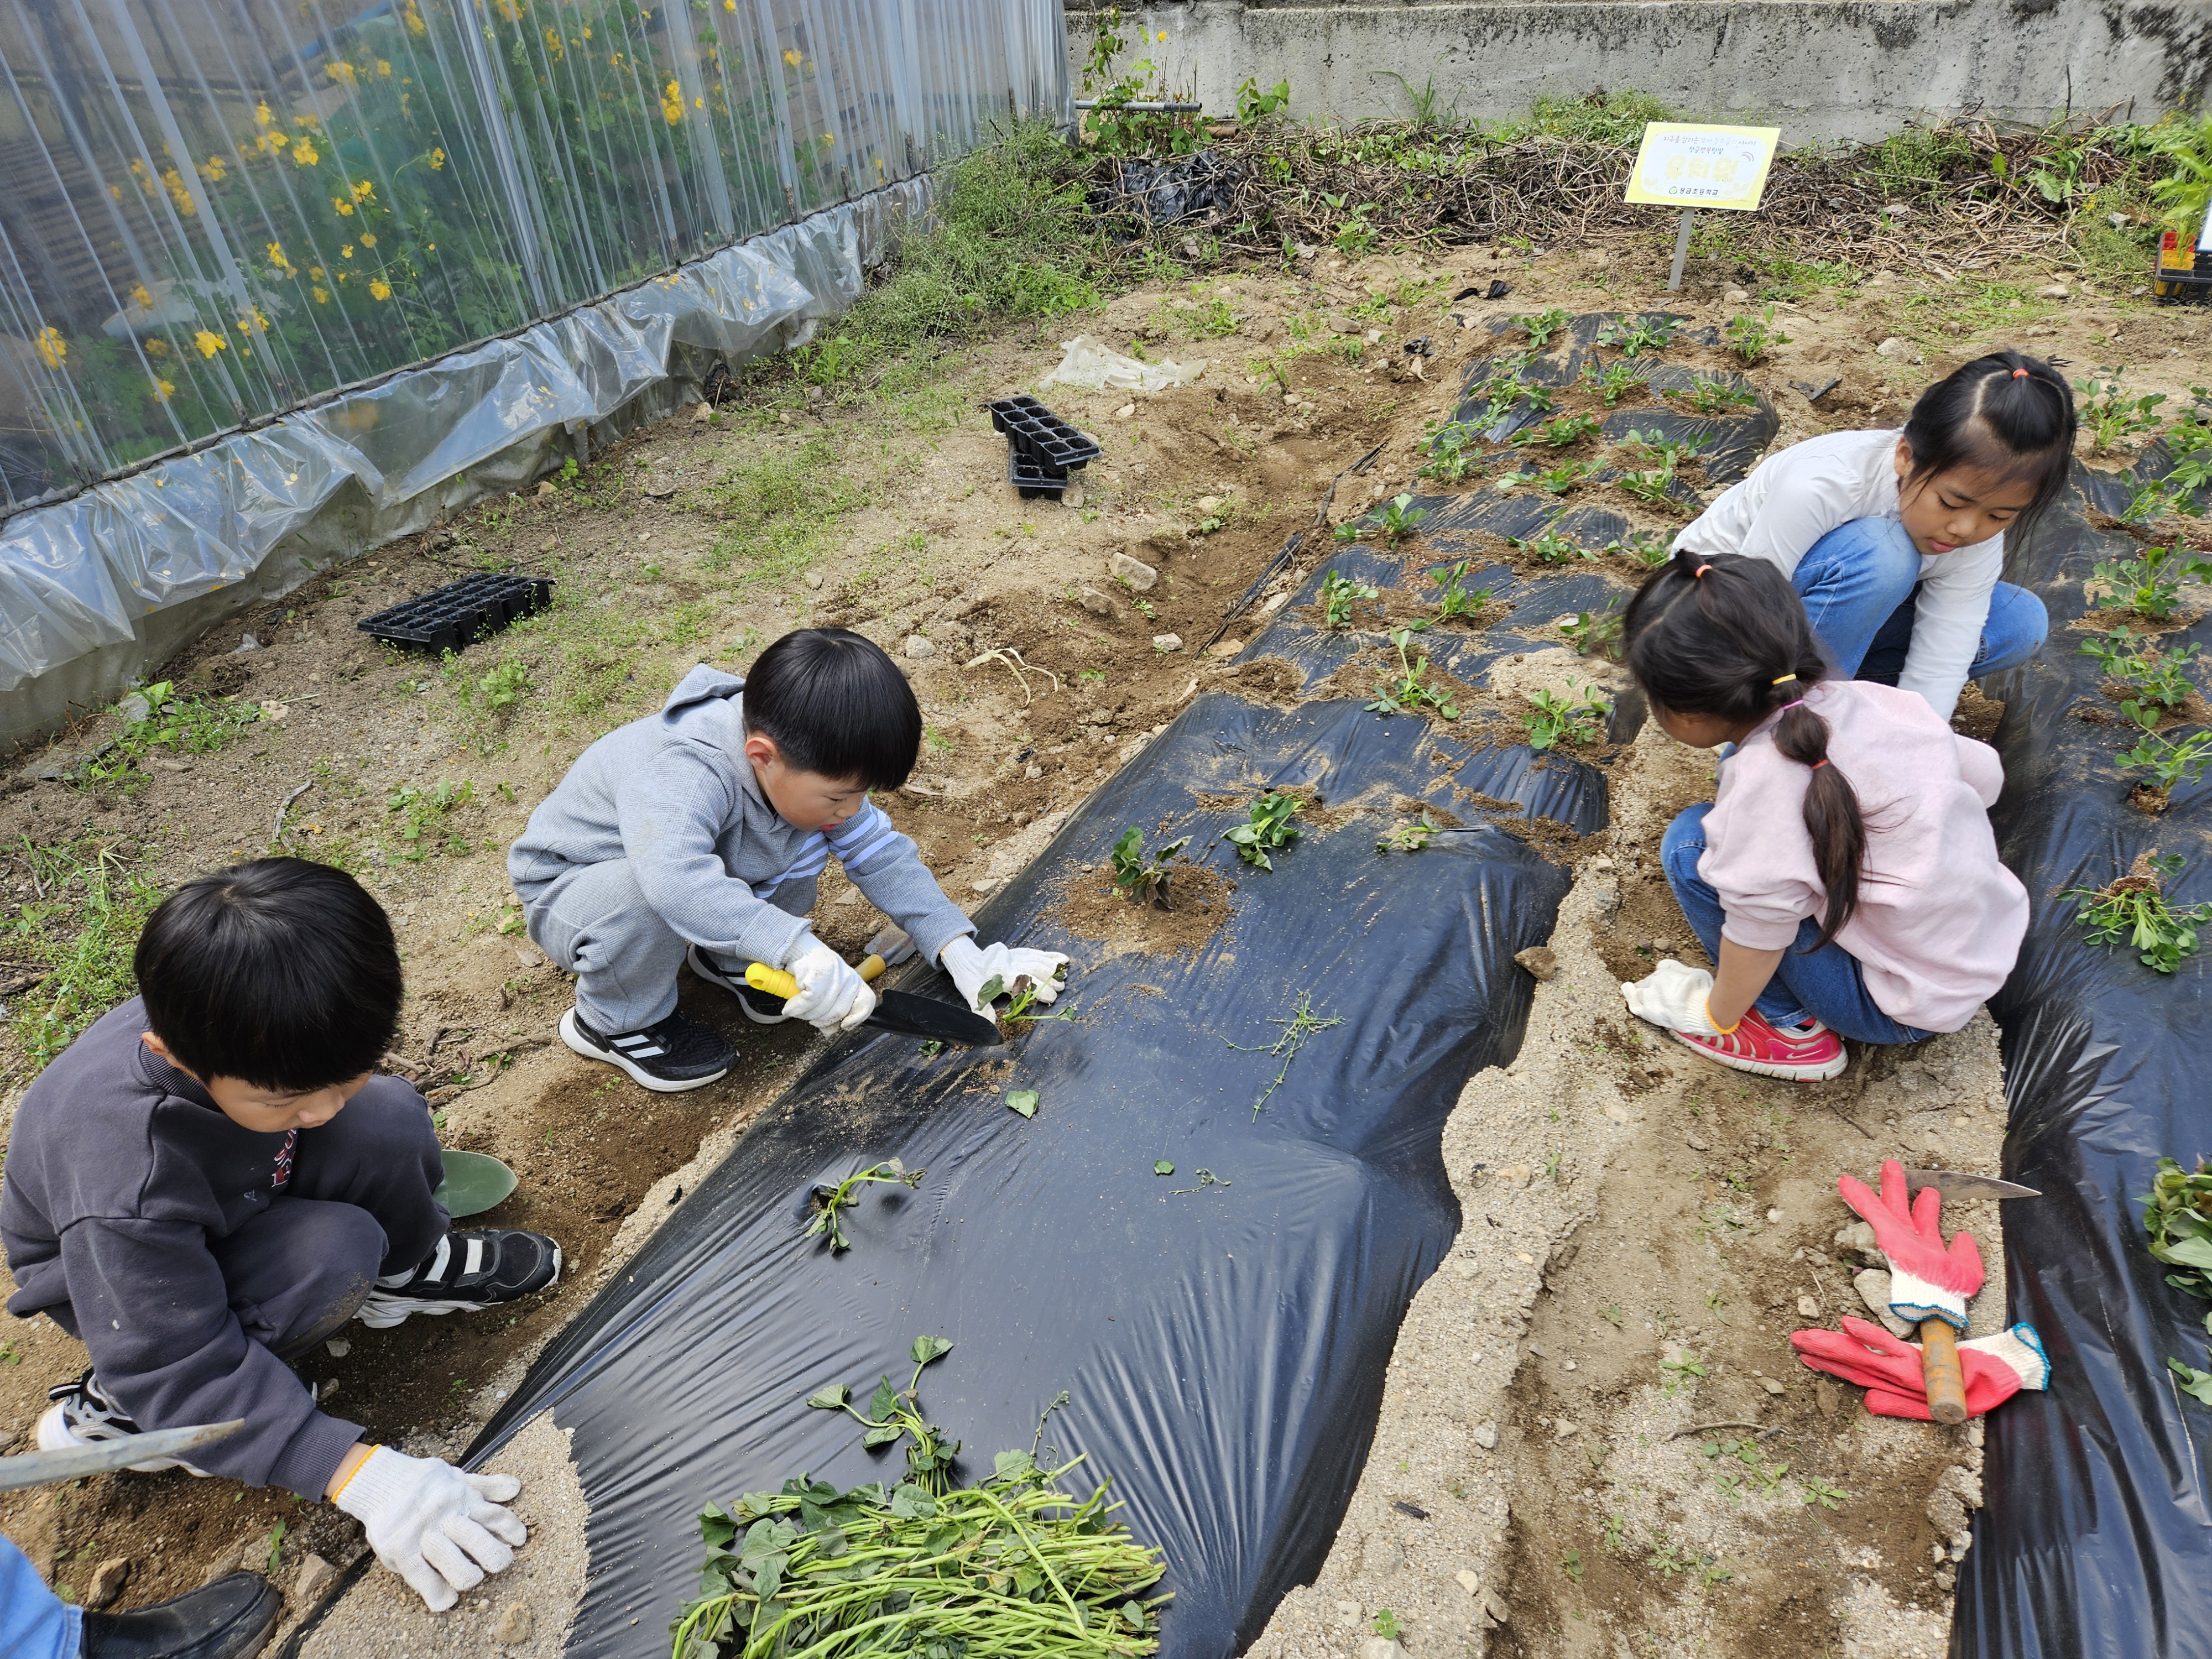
(593, 920)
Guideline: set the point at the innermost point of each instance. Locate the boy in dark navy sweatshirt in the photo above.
(210, 1180)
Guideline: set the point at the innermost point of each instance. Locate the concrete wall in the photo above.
(1818, 69)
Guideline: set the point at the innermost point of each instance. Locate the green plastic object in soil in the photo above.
(474, 1183)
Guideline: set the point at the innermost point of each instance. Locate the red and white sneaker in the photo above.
(1801, 1054)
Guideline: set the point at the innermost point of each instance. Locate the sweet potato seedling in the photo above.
(1751, 338)
(2177, 1215)
(829, 1203)
(1637, 334)
(2150, 583)
(1411, 837)
(1269, 830)
(1456, 600)
(1595, 633)
(2109, 415)
(1543, 325)
(1565, 720)
(1449, 460)
(894, 1415)
(2152, 675)
(1563, 430)
(2134, 908)
(1142, 877)
(1400, 517)
(1616, 381)
(2168, 762)
(1710, 398)
(1550, 548)
(1410, 692)
(1338, 590)
(1646, 549)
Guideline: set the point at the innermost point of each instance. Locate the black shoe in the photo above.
(231, 1618)
(668, 1056)
(83, 1415)
(466, 1272)
(761, 1009)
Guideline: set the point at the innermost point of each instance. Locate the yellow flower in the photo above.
(304, 154)
(255, 321)
(322, 295)
(792, 57)
(1164, 34)
(140, 297)
(116, 190)
(383, 69)
(437, 159)
(363, 190)
(52, 347)
(209, 343)
(315, 271)
(369, 239)
(341, 71)
(215, 170)
(164, 389)
(303, 120)
(178, 193)
(415, 23)
(671, 103)
(344, 207)
(698, 103)
(380, 290)
(587, 32)
(510, 10)
(261, 114)
(346, 253)
(553, 45)
(157, 348)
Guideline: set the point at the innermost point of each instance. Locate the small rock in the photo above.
(1209, 505)
(1167, 641)
(2052, 291)
(1032, 772)
(224, 1563)
(1072, 497)
(1224, 647)
(1696, 1145)
(660, 484)
(1375, 336)
(338, 1347)
(813, 580)
(1125, 411)
(1565, 1430)
(1096, 603)
(1135, 572)
(1893, 347)
(108, 1579)
(1485, 1436)
(513, 1626)
(1808, 1308)
(984, 883)
(918, 647)
(1495, 1612)
(1469, 1580)
(1774, 1217)
(1347, 1613)
(134, 708)
(1873, 1286)
(1827, 1398)
(246, 643)
(545, 487)
(704, 413)
(1540, 960)
(549, 544)
(528, 957)
(9, 1438)
(1770, 1385)
(314, 1573)
(1737, 296)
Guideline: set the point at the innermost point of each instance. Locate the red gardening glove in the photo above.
(1867, 1356)
(1926, 1280)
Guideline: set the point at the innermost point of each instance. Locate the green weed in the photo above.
(2110, 415)
(167, 722)
(84, 923)
(425, 812)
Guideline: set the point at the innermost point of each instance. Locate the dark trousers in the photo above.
(358, 1207)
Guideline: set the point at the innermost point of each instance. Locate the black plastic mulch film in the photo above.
(2097, 1537)
(1223, 1349)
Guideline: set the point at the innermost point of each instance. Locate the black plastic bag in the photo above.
(2097, 1537)
(1168, 191)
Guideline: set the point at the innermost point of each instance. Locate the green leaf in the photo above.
(1013, 1466)
(2186, 1252)
(881, 1437)
(926, 1348)
(831, 1398)
(912, 1504)
(1024, 1101)
(991, 989)
(2195, 1383)
(1162, 1167)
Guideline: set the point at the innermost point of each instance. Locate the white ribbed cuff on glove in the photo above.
(1913, 1299)
(2019, 1347)
(440, 1530)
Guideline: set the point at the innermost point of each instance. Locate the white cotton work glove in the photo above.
(1674, 996)
(831, 996)
(893, 945)
(973, 967)
(439, 1529)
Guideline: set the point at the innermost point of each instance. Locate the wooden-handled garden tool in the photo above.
(1939, 1343)
(1930, 1281)
(895, 1011)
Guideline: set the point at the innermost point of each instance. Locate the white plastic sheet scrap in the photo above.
(1092, 365)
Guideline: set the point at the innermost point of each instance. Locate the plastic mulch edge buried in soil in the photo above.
(2097, 1536)
(456, 616)
(1222, 1346)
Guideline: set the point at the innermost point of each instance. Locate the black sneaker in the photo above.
(760, 1009)
(467, 1271)
(83, 1415)
(668, 1056)
(231, 1618)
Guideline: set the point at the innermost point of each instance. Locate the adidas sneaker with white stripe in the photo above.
(669, 1056)
(466, 1272)
(82, 1414)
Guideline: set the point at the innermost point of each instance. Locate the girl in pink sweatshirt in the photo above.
(1844, 879)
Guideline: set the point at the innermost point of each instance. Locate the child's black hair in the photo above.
(836, 704)
(2007, 414)
(280, 973)
(1734, 642)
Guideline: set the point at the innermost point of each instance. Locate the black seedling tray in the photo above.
(1035, 429)
(451, 617)
(1031, 479)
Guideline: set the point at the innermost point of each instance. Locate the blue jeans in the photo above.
(1826, 984)
(34, 1622)
(1860, 582)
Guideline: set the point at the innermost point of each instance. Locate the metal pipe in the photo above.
(1148, 108)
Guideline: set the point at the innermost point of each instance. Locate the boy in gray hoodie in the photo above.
(697, 835)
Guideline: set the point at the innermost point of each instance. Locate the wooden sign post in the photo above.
(1680, 165)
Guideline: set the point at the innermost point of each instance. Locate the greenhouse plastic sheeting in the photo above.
(2097, 1536)
(379, 248)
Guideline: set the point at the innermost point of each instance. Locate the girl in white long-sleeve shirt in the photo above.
(1895, 540)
